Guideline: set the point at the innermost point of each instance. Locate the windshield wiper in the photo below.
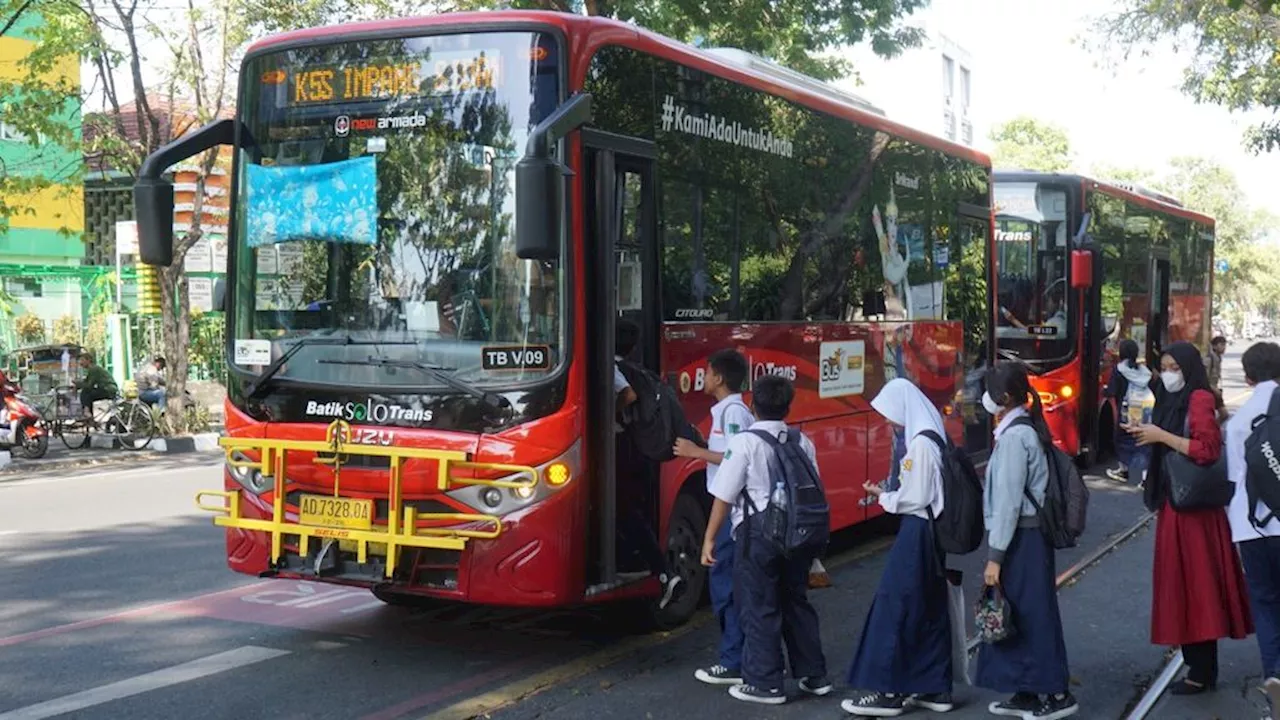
(264, 379)
(439, 372)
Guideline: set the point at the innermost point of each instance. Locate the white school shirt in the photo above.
(1238, 430)
(619, 380)
(920, 482)
(729, 417)
(746, 466)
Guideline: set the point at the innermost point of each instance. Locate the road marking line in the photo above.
(123, 615)
(532, 685)
(211, 665)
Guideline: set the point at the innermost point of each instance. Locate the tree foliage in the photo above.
(1026, 143)
(795, 33)
(1234, 46)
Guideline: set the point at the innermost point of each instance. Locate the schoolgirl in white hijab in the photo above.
(895, 671)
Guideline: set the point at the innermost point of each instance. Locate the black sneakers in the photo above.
(816, 685)
(937, 702)
(1019, 706)
(874, 704)
(719, 675)
(760, 696)
(1055, 707)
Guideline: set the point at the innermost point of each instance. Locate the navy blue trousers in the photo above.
(721, 579)
(905, 645)
(1261, 560)
(772, 593)
(1035, 660)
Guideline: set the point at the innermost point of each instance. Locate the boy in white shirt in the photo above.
(773, 601)
(725, 375)
(1258, 541)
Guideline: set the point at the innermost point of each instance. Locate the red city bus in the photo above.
(421, 319)
(1083, 264)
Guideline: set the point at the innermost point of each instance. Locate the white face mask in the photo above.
(1173, 381)
(990, 405)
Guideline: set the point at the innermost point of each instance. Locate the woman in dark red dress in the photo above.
(1198, 593)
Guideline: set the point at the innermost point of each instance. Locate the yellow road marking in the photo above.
(1239, 397)
(526, 687)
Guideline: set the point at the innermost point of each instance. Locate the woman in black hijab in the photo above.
(1197, 586)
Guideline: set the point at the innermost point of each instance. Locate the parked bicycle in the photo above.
(130, 420)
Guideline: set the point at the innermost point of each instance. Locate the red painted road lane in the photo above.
(131, 614)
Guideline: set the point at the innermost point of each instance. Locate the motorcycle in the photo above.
(22, 428)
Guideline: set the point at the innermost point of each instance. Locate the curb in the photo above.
(203, 443)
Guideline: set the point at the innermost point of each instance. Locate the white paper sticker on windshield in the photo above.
(253, 352)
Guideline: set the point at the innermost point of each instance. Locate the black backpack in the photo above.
(656, 419)
(797, 517)
(1066, 497)
(1262, 463)
(960, 529)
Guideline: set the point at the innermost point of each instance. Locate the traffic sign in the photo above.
(1223, 266)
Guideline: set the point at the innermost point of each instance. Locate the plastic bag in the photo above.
(959, 642)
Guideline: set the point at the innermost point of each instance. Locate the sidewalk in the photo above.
(59, 458)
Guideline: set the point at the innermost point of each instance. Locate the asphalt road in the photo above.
(115, 602)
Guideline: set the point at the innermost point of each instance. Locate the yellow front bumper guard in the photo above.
(402, 522)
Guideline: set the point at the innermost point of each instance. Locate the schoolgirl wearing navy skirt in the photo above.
(1031, 665)
(904, 653)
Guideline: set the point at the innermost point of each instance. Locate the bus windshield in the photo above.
(1031, 252)
(375, 200)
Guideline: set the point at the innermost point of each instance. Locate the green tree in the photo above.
(1253, 276)
(1233, 46)
(1026, 143)
(799, 34)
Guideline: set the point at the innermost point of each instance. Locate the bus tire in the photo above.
(685, 530)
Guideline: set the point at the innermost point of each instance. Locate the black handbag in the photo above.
(1197, 487)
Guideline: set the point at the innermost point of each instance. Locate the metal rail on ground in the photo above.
(1153, 693)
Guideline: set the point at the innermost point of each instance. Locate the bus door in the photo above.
(974, 227)
(1158, 320)
(621, 284)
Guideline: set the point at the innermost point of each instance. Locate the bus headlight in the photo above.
(552, 476)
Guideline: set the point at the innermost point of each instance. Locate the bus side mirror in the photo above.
(153, 194)
(153, 209)
(1081, 269)
(540, 182)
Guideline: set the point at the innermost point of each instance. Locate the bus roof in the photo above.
(591, 33)
(1138, 195)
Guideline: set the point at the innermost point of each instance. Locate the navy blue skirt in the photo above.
(905, 645)
(1035, 660)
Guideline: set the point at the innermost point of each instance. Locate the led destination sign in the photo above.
(442, 73)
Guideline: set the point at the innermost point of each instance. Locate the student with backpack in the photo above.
(639, 405)
(1032, 664)
(725, 376)
(903, 658)
(1130, 388)
(768, 485)
(1253, 438)
(1198, 593)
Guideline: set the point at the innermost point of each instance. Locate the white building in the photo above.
(930, 87)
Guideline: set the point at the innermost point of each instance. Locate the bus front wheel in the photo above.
(685, 530)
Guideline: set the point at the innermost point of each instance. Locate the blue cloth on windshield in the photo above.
(333, 202)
